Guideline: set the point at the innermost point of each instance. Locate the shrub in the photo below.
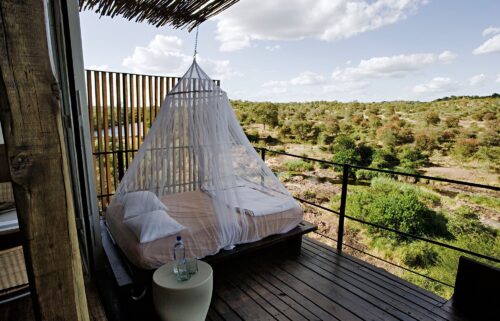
(411, 157)
(425, 141)
(253, 136)
(298, 166)
(489, 116)
(325, 138)
(365, 154)
(452, 121)
(466, 147)
(365, 174)
(419, 255)
(431, 118)
(447, 135)
(399, 206)
(400, 211)
(489, 137)
(309, 195)
(383, 158)
(466, 222)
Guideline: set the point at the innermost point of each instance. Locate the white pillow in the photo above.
(153, 225)
(140, 202)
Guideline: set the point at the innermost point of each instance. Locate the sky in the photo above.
(306, 50)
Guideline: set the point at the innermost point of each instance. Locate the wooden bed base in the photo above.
(136, 281)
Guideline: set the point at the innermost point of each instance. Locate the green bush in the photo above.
(365, 174)
(419, 255)
(383, 158)
(345, 152)
(298, 166)
(398, 206)
(412, 157)
(400, 211)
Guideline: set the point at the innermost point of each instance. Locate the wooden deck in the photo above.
(318, 285)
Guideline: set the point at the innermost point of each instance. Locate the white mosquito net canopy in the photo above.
(197, 144)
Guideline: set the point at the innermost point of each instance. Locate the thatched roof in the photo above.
(178, 13)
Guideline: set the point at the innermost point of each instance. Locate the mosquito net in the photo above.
(197, 145)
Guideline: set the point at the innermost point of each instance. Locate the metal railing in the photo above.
(346, 168)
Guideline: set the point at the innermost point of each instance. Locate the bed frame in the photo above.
(135, 281)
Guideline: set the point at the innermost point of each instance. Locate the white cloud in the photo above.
(164, 55)
(327, 20)
(306, 78)
(344, 87)
(437, 85)
(98, 67)
(447, 57)
(477, 80)
(273, 48)
(489, 46)
(498, 78)
(276, 86)
(394, 66)
(491, 31)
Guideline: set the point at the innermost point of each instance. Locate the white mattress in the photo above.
(194, 210)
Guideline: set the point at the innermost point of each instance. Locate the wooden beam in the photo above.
(30, 112)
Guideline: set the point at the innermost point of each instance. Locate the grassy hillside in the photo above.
(457, 137)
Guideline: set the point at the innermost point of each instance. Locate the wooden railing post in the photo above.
(343, 199)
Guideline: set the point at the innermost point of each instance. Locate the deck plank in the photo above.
(383, 289)
(343, 297)
(392, 305)
(223, 310)
(311, 307)
(389, 283)
(381, 274)
(301, 283)
(320, 284)
(242, 303)
(278, 299)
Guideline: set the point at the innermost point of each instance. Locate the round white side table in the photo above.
(182, 301)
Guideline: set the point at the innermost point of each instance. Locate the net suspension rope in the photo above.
(196, 42)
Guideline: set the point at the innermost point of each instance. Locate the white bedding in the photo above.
(256, 203)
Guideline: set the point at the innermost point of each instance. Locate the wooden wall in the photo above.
(122, 107)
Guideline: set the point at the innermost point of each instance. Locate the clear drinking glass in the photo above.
(192, 266)
(182, 271)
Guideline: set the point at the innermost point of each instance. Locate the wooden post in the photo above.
(30, 113)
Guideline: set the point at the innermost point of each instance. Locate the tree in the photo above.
(267, 114)
(345, 152)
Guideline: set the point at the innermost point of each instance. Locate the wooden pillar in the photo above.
(30, 113)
